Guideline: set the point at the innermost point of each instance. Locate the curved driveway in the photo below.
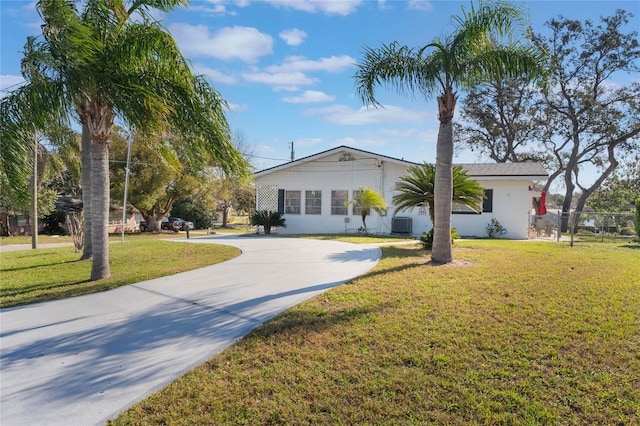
(83, 360)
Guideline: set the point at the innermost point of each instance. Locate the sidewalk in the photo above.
(83, 360)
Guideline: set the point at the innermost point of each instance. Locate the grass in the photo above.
(513, 333)
(54, 273)
(48, 239)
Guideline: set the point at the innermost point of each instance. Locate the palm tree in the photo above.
(480, 46)
(416, 189)
(101, 64)
(367, 199)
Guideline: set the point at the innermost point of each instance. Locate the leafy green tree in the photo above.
(195, 209)
(480, 47)
(618, 193)
(23, 142)
(578, 120)
(366, 200)
(416, 189)
(101, 64)
(503, 121)
(233, 192)
(159, 176)
(588, 120)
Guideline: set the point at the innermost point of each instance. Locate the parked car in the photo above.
(176, 224)
(171, 224)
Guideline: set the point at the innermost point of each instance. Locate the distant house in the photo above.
(311, 193)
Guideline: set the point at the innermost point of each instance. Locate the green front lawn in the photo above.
(512, 333)
(54, 273)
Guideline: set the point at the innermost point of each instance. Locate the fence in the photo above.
(584, 226)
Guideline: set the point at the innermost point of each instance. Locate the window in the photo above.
(313, 202)
(339, 202)
(357, 210)
(292, 202)
(487, 205)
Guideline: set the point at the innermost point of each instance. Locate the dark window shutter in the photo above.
(487, 203)
(281, 201)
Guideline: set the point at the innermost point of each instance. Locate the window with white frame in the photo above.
(313, 202)
(292, 202)
(357, 210)
(339, 200)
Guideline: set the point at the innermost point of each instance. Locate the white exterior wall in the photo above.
(329, 174)
(511, 201)
(511, 205)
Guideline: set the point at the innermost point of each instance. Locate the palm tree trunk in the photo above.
(85, 147)
(100, 209)
(442, 251)
(364, 219)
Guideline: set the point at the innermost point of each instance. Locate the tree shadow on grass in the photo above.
(73, 359)
(313, 321)
(631, 245)
(44, 265)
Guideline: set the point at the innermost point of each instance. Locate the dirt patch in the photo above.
(455, 263)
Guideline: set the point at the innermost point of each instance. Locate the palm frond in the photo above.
(399, 67)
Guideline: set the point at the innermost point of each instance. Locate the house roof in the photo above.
(332, 151)
(529, 169)
(504, 170)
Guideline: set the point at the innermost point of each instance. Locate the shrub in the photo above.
(427, 238)
(194, 210)
(494, 228)
(268, 219)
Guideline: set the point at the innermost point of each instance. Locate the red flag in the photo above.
(542, 208)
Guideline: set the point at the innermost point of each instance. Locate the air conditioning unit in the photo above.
(401, 225)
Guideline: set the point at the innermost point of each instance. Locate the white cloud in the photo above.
(346, 116)
(329, 7)
(383, 5)
(300, 63)
(10, 82)
(280, 81)
(244, 43)
(216, 77)
(237, 107)
(217, 7)
(293, 37)
(310, 96)
(419, 5)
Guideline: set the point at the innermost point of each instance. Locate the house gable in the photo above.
(340, 154)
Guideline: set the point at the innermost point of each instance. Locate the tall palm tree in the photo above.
(101, 64)
(367, 199)
(416, 189)
(481, 45)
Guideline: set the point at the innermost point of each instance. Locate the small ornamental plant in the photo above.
(268, 219)
(494, 228)
(427, 238)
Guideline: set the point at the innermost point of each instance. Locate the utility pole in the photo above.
(126, 186)
(293, 156)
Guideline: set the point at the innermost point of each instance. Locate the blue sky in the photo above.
(286, 66)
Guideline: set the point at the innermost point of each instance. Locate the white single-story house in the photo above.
(311, 193)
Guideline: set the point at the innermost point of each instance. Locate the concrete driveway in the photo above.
(82, 361)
